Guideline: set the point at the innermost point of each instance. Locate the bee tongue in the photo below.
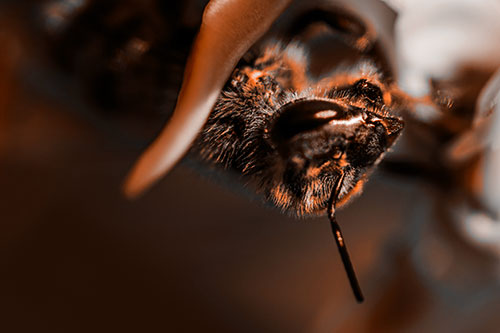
(339, 239)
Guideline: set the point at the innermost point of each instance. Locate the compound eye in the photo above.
(369, 91)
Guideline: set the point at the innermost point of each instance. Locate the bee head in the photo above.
(318, 140)
(306, 102)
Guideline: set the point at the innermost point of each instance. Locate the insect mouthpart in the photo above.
(339, 240)
(329, 147)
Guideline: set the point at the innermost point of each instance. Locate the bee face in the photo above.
(320, 140)
(293, 137)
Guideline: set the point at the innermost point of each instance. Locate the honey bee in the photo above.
(306, 146)
(291, 138)
(301, 125)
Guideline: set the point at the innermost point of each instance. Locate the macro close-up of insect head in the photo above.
(250, 166)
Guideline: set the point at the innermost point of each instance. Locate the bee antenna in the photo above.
(339, 239)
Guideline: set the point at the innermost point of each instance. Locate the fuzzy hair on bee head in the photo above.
(239, 133)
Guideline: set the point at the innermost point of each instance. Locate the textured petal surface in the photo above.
(228, 30)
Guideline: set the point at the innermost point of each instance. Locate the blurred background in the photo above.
(83, 89)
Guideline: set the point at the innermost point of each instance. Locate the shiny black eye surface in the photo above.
(369, 91)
